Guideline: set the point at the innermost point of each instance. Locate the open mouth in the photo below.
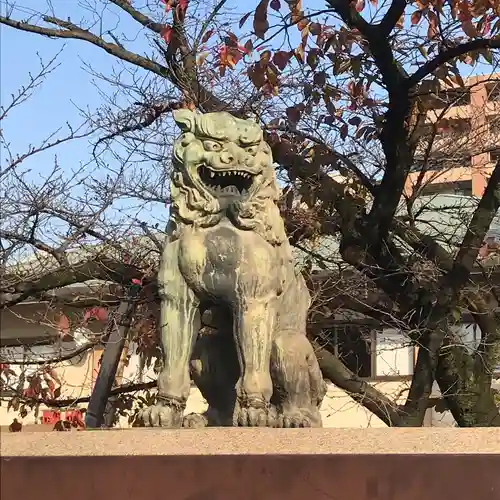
(231, 182)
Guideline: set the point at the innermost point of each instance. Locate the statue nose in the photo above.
(226, 157)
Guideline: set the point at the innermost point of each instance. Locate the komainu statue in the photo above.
(227, 263)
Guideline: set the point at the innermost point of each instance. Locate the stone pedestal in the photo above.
(245, 464)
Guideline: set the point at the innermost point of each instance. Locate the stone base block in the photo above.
(248, 464)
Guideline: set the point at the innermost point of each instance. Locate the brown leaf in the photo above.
(355, 121)
(319, 79)
(416, 17)
(433, 25)
(293, 114)
(260, 23)
(299, 54)
(315, 29)
(343, 131)
(275, 5)
(257, 75)
(249, 46)
(265, 57)
(207, 35)
(282, 58)
(312, 59)
(243, 20)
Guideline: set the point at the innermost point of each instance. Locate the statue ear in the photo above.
(185, 119)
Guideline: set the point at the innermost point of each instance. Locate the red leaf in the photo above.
(275, 5)
(260, 23)
(168, 5)
(63, 324)
(243, 20)
(166, 33)
(281, 59)
(433, 25)
(98, 313)
(416, 16)
(249, 46)
(206, 36)
(360, 5)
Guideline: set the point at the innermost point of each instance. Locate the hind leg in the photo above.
(299, 387)
(215, 370)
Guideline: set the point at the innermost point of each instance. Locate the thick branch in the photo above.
(450, 54)
(392, 16)
(71, 31)
(100, 269)
(360, 390)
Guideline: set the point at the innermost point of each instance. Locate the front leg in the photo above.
(179, 326)
(254, 322)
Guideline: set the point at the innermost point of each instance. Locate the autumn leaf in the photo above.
(260, 23)
(432, 32)
(416, 17)
(97, 313)
(281, 59)
(360, 5)
(315, 29)
(469, 29)
(319, 79)
(248, 46)
(243, 20)
(207, 36)
(166, 33)
(344, 131)
(355, 121)
(293, 114)
(63, 325)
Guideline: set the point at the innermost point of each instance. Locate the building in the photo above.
(460, 142)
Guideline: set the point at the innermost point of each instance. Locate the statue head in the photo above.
(223, 167)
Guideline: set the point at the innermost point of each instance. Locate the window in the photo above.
(352, 344)
(454, 126)
(493, 91)
(495, 155)
(354, 350)
(446, 98)
(463, 188)
(394, 354)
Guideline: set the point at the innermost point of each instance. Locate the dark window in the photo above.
(493, 91)
(495, 155)
(463, 188)
(439, 161)
(353, 346)
(448, 98)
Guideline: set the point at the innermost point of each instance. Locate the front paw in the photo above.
(299, 418)
(255, 415)
(195, 421)
(161, 415)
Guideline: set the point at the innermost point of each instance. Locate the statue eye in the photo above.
(212, 146)
(252, 149)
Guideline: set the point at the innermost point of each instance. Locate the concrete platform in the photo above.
(220, 464)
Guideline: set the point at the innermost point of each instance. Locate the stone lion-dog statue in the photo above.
(227, 258)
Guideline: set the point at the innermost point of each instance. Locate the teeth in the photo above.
(212, 173)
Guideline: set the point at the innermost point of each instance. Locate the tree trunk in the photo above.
(466, 390)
